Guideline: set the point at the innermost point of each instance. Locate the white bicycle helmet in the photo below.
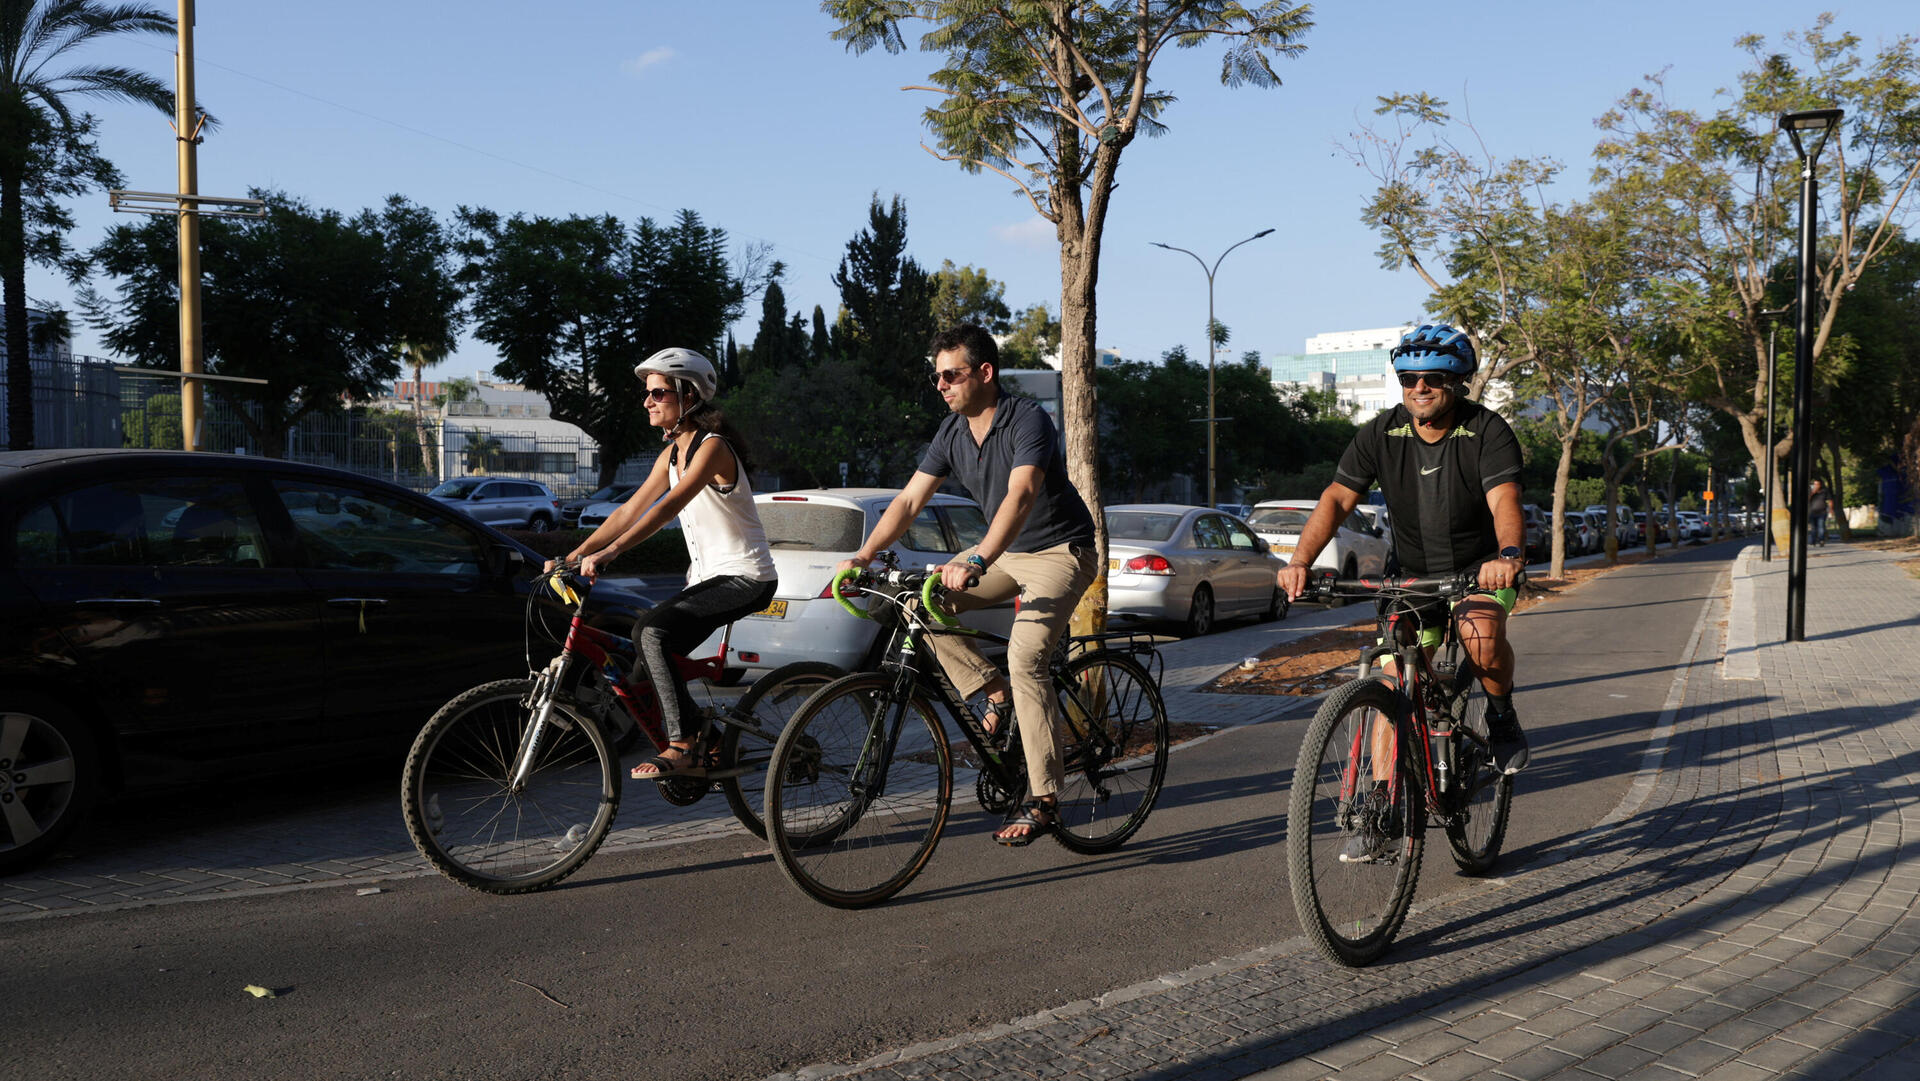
(682, 365)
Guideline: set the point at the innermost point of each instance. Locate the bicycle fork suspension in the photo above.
(541, 701)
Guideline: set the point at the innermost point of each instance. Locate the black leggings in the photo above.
(682, 622)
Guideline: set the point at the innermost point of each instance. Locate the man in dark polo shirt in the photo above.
(1005, 451)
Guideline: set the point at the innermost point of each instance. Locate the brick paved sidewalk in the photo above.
(1747, 912)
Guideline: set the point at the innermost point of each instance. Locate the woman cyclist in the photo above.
(700, 478)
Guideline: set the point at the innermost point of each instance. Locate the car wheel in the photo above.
(1200, 613)
(540, 523)
(1276, 607)
(49, 778)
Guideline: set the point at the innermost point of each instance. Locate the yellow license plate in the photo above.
(776, 610)
(1113, 564)
(1283, 549)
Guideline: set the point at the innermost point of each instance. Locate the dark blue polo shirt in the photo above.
(1021, 434)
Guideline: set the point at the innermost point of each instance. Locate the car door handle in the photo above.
(148, 601)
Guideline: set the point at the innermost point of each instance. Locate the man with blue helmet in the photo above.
(1450, 470)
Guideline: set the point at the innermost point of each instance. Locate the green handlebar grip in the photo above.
(926, 602)
(850, 572)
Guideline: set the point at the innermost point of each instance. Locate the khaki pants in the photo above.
(1050, 583)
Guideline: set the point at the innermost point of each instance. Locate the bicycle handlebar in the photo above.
(1457, 585)
(924, 582)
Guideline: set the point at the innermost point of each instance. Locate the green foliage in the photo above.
(663, 553)
(967, 295)
(48, 155)
(153, 426)
(305, 299)
(572, 304)
(1033, 335)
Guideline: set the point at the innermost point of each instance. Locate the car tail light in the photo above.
(789, 499)
(747, 658)
(1147, 565)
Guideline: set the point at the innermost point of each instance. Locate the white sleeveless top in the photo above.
(722, 530)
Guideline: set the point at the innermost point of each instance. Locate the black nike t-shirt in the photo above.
(1437, 492)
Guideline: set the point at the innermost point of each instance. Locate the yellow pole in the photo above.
(185, 135)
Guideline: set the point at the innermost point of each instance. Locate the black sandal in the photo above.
(690, 764)
(1001, 712)
(1030, 818)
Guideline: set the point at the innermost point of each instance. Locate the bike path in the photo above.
(274, 837)
(1747, 911)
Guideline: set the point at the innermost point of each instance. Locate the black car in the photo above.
(166, 617)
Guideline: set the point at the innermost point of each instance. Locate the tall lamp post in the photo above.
(1212, 420)
(1767, 479)
(1817, 124)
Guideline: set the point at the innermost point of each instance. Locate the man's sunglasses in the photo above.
(1436, 380)
(940, 377)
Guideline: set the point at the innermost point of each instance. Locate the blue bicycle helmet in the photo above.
(1436, 347)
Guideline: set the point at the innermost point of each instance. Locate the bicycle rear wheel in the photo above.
(1352, 910)
(1115, 742)
(469, 821)
(849, 824)
(771, 702)
(1479, 827)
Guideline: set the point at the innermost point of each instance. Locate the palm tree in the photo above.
(45, 152)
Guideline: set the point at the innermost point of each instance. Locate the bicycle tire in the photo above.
(1351, 911)
(771, 702)
(1116, 765)
(842, 845)
(455, 796)
(1479, 826)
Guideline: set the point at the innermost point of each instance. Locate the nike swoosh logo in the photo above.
(1435, 469)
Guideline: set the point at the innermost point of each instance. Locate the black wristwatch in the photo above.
(1510, 552)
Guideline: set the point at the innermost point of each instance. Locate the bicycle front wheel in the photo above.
(1115, 743)
(850, 822)
(770, 702)
(1479, 824)
(1353, 841)
(469, 820)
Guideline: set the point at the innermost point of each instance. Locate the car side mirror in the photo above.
(504, 560)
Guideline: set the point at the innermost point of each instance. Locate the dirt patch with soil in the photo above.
(1320, 662)
(1908, 545)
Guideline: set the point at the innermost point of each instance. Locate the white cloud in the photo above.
(651, 57)
(1034, 233)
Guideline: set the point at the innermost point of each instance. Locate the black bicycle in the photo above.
(862, 777)
(1385, 758)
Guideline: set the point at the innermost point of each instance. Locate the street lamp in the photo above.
(1766, 481)
(1212, 420)
(1818, 123)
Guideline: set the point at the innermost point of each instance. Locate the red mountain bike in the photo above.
(514, 784)
(1384, 758)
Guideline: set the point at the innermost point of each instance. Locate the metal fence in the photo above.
(84, 401)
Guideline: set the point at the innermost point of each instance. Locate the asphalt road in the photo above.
(701, 961)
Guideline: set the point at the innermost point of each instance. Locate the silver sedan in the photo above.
(1190, 565)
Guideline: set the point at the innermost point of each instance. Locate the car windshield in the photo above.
(811, 527)
(1279, 519)
(1141, 525)
(458, 489)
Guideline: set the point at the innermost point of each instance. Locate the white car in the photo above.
(812, 530)
(1353, 552)
(1381, 519)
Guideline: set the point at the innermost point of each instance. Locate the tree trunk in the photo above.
(13, 268)
(1561, 472)
(1836, 491)
(428, 459)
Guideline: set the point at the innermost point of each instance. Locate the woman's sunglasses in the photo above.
(659, 394)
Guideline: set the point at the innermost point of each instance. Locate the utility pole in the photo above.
(186, 133)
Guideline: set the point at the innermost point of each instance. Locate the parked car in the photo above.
(810, 531)
(612, 493)
(1189, 565)
(593, 515)
(1624, 529)
(167, 617)
(502, 502)
(1693, 526)
(1381, 520)
(1354, 550)
(1536, 522)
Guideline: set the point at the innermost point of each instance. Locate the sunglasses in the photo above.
(1436, 380)
(942, 376)
(659, 394)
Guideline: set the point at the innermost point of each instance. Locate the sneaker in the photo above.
(1369, 841)
(1507, 741)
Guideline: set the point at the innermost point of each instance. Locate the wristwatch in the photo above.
(1510, 552)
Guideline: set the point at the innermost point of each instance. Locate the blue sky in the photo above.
(747, 112)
